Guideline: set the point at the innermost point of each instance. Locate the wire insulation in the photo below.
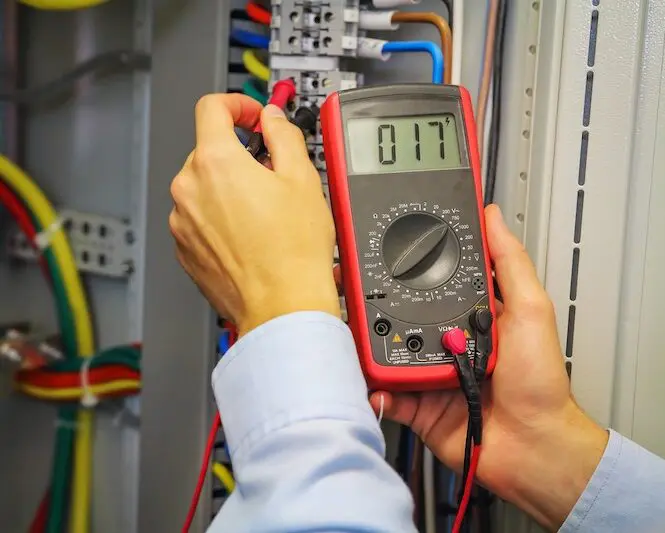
(249, 39)
(62, 5)
(488, 54)
(224, 476)
(468, 487)
(420, 46)
(444, 31)
(205, 464)
(254, 65)
(119, 387)
(258, 13)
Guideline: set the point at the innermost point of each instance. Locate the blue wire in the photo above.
(249, 39)
(223, 343)
(420, 46)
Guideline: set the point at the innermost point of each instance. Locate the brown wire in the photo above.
(483, 92)
(444, 29)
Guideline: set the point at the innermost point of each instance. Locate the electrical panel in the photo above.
(577, 179)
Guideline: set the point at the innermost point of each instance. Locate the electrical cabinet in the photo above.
(583, 125)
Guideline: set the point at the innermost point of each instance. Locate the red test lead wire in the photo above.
(468, 488)
(205, 465)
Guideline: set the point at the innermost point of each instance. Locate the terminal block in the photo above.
(306, 27)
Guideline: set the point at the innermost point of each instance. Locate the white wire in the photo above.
(377, 20)
(430, 500)
(458, 41)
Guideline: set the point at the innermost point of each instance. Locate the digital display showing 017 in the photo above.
(402, 144)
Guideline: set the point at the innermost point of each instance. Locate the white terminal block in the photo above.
(310, 63)
(377, 20)
(387, 4)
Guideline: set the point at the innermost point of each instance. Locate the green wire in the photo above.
(250, 89)
(114, 356)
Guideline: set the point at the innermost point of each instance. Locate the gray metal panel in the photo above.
(641, 343)
(611, 125)
(189, 60)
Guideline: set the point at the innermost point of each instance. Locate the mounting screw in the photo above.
(128, 267)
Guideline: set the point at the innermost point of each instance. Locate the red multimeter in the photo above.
(405, 188)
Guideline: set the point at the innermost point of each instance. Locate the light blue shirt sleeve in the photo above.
(308, 453)
(626, 494)
(306, 448)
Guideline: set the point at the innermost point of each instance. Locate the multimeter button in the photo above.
(482, 320)
(382, 327)
(454, 341)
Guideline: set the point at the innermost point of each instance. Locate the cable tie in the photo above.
(44, 238)
(381, 403)
(88, 398)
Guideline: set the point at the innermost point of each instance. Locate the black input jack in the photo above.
(382, 327)
(414, 343)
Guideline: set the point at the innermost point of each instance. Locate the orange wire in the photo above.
(444, 29)
(483, 93)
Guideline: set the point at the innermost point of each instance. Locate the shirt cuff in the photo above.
(297, 367)
(624, 493)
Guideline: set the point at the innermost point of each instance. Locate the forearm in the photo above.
(307, 450)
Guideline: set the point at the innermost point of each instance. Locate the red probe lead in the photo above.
(283, 92)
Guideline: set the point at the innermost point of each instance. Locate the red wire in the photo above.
(216, 424)
(258, 14)
(65, 380)
(468, 487)
(20, 215)
(38, 524)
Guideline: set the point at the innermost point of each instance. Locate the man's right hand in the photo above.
(539, 449)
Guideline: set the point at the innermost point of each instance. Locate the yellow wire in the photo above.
(62, 4)
(222, 473)
(254, 66)
(47, 217)
(75, 393)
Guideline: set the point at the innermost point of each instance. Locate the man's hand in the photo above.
(539, 449)
(258, 243)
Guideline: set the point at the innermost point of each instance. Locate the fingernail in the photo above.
(273, 111)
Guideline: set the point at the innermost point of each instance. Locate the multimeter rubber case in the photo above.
(405, 189)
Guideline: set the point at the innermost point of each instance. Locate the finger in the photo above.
(218, 114)
(285, 142)
(514, 270)
(401, 408)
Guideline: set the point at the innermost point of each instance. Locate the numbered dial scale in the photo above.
(404, 179)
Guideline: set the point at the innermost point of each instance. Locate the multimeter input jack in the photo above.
(414, 343)
(382, 327)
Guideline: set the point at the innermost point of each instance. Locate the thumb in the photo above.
(515, 272)
(400, 408)
(285, 142)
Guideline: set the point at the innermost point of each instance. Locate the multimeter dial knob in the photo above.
(420, 250)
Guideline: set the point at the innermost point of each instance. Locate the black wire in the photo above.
(495, 125)
(123, 59)
(449, 7)
(484, 507)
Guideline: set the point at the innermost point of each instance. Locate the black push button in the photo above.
(482, 320)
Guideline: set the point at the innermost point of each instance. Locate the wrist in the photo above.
(556, 467)
(285, 302)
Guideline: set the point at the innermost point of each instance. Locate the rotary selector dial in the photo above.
(420, 250)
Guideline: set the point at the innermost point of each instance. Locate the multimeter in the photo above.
(405, 189)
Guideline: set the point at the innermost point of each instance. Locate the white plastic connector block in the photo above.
(309, 63)
(387, 4)
(377, 20)
(372, 48)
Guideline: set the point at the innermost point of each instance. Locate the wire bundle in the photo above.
(255, 85)
(111, 373)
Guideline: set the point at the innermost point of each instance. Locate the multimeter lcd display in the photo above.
(403, 144)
